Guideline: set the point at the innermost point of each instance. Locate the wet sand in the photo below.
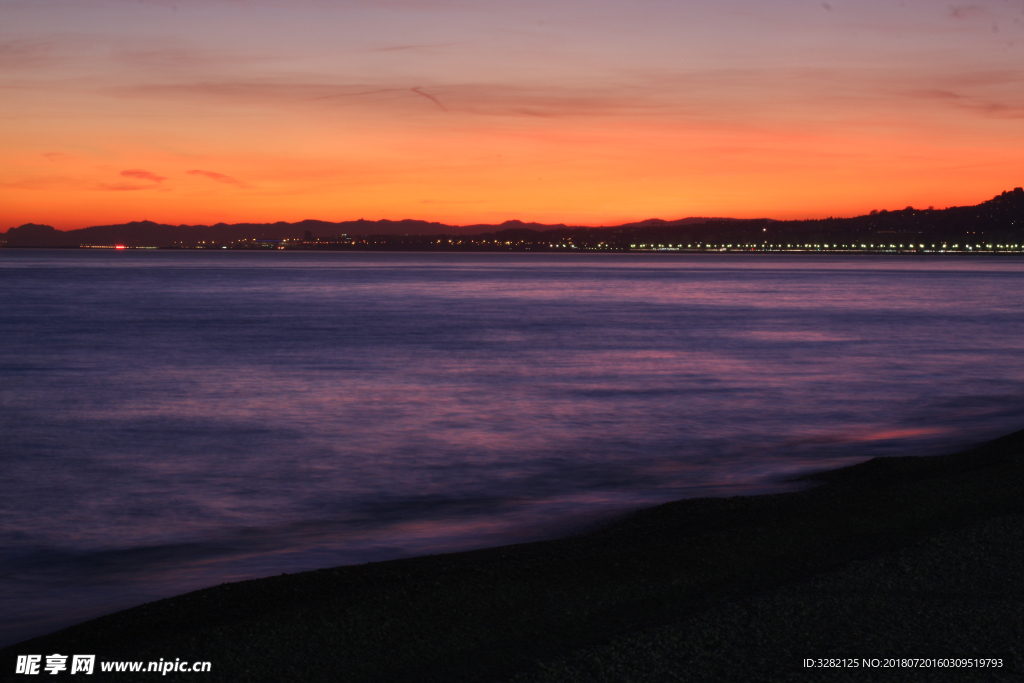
(895, 558)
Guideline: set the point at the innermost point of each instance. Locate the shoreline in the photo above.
(894, 251)
(548, 610)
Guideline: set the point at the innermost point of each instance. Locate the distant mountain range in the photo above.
(998, 220)
(150, 234)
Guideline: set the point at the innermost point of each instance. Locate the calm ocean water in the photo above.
(170, 421)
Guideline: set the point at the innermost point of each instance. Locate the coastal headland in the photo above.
(908, 568)
(993, 226)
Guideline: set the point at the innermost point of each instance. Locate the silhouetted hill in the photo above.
(999, 220)
(150, 234)
(659, 223)
(37, 235)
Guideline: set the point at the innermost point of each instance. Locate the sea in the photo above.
(171, 420)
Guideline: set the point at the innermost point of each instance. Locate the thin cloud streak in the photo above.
(124, 187)
(419, 91)
(425, 46)
(730, 94)
(967, 11)
(219, 177)
(26, 54)
(140, 174)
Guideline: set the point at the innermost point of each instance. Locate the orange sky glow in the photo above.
(594, 113)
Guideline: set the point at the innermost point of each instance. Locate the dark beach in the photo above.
(892, 559)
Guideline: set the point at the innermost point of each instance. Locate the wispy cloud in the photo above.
(152, 179)
(259, 92)
(425, 46)
(992, 94)
(501, 99)
(123, 187)
(26, 54)
(720, 95)
(44, 182)
(172, 57)
(140, 174)
(218, 177)
(967, 11)
(419, 91)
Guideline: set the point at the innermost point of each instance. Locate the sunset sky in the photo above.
(589, 112)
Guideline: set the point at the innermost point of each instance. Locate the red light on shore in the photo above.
(120, 246)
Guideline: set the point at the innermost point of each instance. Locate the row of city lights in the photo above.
(677, 247)
(700, 245)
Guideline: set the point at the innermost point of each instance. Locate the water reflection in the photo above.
(177, 420)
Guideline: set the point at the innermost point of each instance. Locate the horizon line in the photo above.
(638, 223)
